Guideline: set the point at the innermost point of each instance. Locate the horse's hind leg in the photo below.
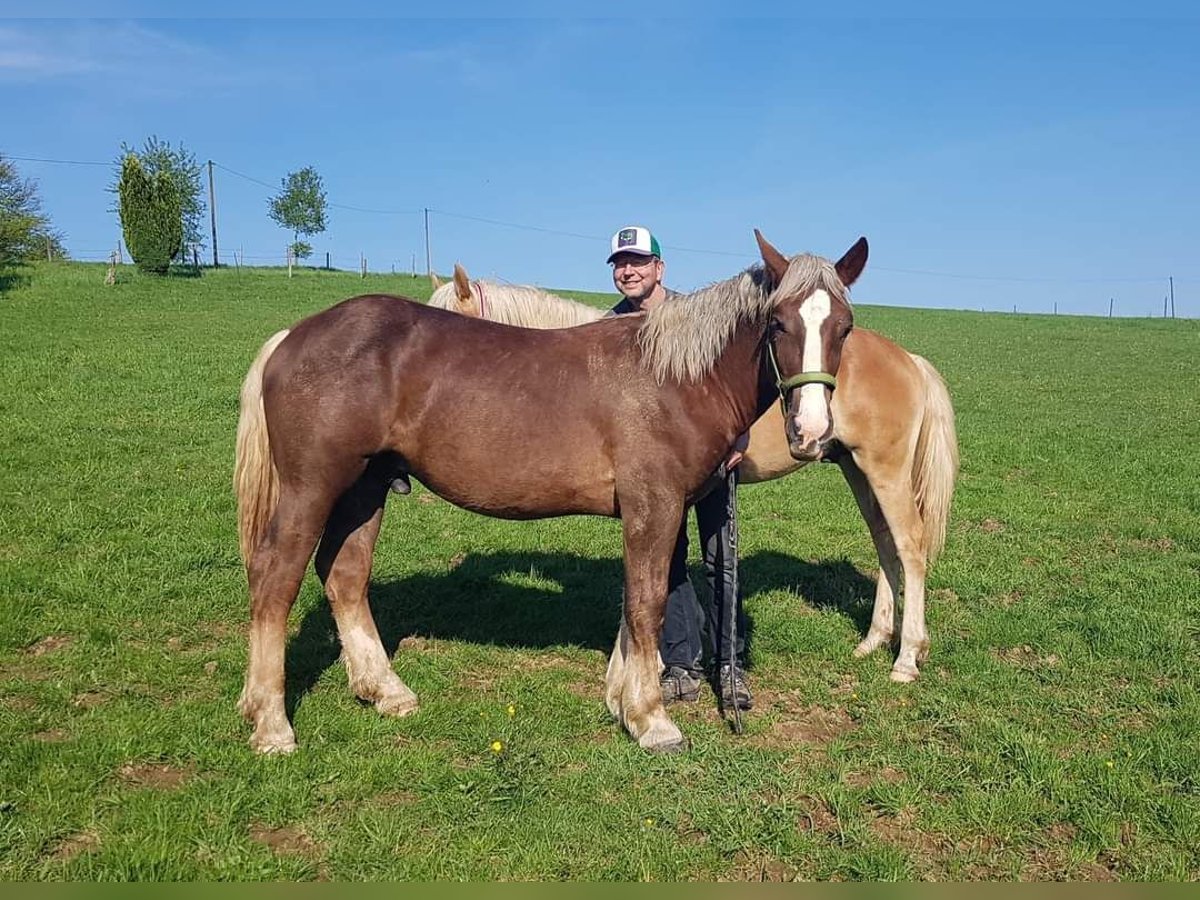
(892, 485)
(344, 566)
(887, 585)
(275, 571)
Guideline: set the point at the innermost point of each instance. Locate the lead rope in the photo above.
(731, 601)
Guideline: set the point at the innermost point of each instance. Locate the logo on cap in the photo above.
(627, 237)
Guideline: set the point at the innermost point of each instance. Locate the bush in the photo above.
(151, 215)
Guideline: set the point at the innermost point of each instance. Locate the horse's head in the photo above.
(811, 320)
(459, 295)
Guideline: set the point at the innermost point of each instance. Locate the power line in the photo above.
(61, 162)
(597, 238)
(382, 212)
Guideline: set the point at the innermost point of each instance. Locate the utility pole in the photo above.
(428, 257)
(212, 214)
(1171, 281)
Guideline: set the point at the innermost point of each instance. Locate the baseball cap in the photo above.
(635, 239)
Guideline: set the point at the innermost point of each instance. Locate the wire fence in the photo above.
(334, 259)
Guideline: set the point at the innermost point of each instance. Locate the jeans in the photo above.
(682, 643)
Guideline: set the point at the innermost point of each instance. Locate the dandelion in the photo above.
(648, 822)
(497, 747)
(1109, 763)
(854, 696)
(512, 710)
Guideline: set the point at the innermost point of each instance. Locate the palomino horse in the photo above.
(892, 434)
(639, 410)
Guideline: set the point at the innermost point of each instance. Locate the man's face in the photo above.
(636, 276)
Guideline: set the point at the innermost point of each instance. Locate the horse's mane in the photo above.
(680, 339)
(683, 338)
(522, 305)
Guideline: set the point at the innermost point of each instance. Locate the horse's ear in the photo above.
(775, 261)
(462, 284)
(434, 281)
(850, 266)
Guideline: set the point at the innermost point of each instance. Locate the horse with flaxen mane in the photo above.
(889, 426)
(639, 411)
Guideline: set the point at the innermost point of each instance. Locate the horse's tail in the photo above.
(935, 465)
(255, 480)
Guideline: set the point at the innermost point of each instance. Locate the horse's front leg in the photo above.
(633, 676)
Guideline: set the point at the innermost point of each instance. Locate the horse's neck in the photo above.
(743, 375)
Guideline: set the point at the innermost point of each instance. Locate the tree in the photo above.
(151, 215)
(300, 207)
(180, 166)
(25, 232)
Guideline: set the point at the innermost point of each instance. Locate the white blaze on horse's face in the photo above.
(813, 422)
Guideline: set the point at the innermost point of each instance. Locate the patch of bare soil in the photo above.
(991, 526)
(900, 830)
(89, 699)
(813, 725)
(51, 736)
(159, 776)
(817, 817)
(80, 842)
(752, 865)
(1052, 861)
(50, 644)
(888, 775)
(1158, 545)
(284, 839)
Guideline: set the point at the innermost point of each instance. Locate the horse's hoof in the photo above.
(678, 746)
(869, 645)
(398, 705)
(276, 746)
(904, 675)
(664, 737)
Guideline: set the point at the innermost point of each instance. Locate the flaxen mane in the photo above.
(519, 304)
(682, 339)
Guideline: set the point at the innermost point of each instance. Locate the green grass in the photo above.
(1053, 734)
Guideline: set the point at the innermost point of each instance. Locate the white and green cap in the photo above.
(635, 239)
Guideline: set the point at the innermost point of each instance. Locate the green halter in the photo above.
(797, 380)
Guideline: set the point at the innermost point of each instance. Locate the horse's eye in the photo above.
(777, 327)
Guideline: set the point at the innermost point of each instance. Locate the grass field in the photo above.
(1055, 733)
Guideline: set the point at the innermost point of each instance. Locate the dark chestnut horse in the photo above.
(625, 417)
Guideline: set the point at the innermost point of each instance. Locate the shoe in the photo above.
(739, 690)
(678, 683)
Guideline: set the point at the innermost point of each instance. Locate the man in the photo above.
(638, 270)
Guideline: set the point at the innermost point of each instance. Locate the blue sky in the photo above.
(991, 162)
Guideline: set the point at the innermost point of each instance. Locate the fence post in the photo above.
(289, 259)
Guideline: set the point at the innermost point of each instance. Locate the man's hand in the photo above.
(738, 451)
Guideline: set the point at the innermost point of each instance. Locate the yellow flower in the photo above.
(648, 822)
(497, 746)
(1109, 763)
(512, 710)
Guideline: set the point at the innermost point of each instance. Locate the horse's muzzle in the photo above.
(806, 448)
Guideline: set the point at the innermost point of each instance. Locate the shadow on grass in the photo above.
(540, 600)
(828, 585)
(11, 279)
